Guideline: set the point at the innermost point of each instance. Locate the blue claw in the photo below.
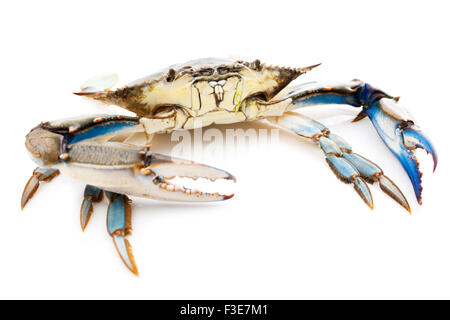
(411, 166)
(412, 138)
(401, 136)
(392, 122)
(119, 226)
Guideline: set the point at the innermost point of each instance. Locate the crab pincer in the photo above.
(400, 134)
(112, 168)
(393, 123)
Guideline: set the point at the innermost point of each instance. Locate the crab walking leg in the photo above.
(349, 167)
(119, 227)
(393, 123)
(91, 194)
(39, 174)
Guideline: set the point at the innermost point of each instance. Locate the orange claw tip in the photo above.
(226, 197)
(407, 207)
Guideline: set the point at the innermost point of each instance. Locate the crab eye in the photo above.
(207, 72)
(171, 75)
(256, 64)
(223, 70)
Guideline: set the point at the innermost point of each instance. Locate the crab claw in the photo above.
(398, 131)
(161, 169)
(413, 138)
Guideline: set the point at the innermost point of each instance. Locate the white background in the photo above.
(292, 230)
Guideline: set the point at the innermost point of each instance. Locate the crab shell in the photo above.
(200, 86)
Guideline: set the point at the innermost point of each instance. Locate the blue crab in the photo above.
(96, 150)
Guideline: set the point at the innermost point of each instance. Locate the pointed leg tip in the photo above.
(132, 267)
(123, 247)
(86, 212)
(363, 191)
(29, 190)
(407, 207)
(391, 189)
(23, 203)
(83, 224)
(135, 272)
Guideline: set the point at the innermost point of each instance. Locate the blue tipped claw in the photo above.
(413, 138)
(393, 123)
(401, 136)
(349, 167)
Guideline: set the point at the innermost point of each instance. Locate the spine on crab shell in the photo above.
(96, 95)
(99, 87)
(119, 97)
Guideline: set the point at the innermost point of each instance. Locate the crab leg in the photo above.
(86, 149)
(393, 124)
(349, 167)
(119, 227)
(91, 194)
(39, 174)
